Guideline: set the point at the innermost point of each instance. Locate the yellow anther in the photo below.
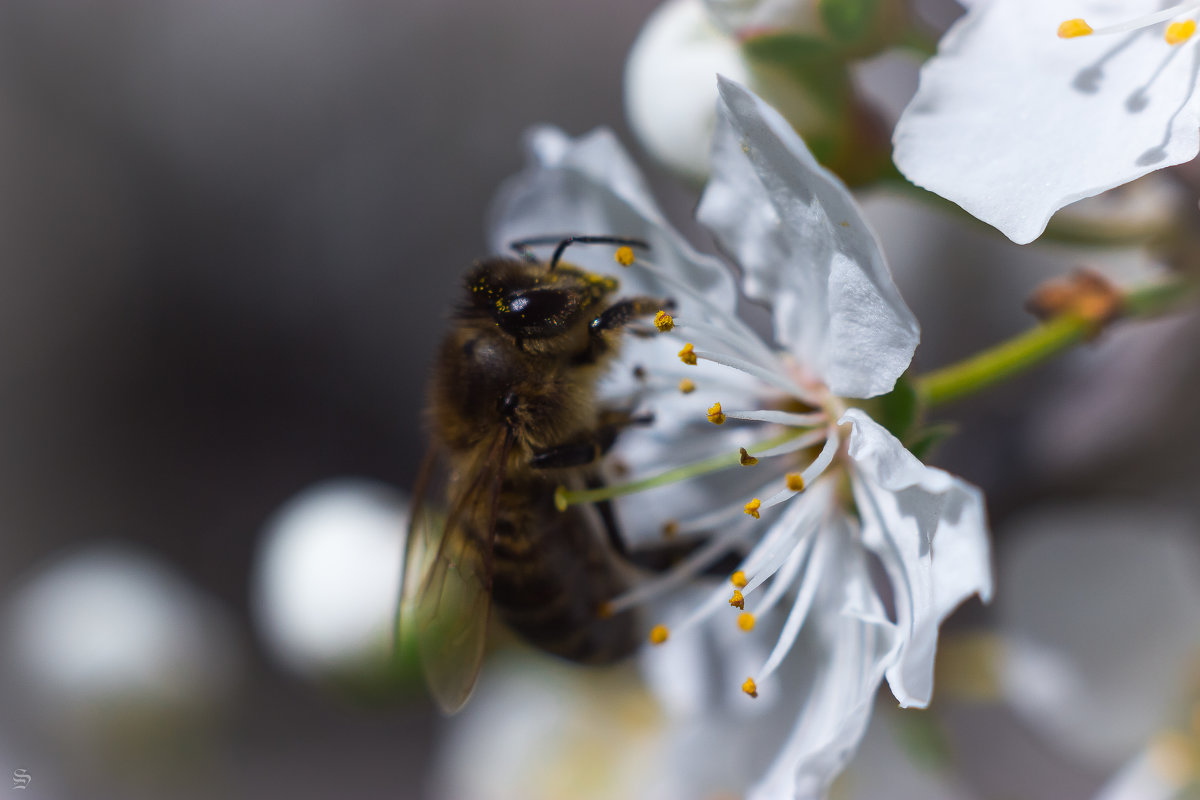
(715, 415)
(746, 621)
(750, 688)
(738, 579)
(624, 255)
(795, 481)
(687, 386)
(604, 610)
(670, 529)
(688, 355)
(664, 321)
(659, 634)
(737, 601)
(561, 498)
(746, 459)
(752, 507)
(1074, 28)
(1180, 32)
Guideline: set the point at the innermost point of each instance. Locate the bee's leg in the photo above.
(621, 312)
(616, 316)
(581, 453)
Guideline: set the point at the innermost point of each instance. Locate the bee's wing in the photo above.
(446, 594)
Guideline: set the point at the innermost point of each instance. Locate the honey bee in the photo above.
(514, 414)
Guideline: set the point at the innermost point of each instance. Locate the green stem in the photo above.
(564, 497)
(1033, 347)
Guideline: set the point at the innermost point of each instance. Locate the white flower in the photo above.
(328, 575)
(108, 635)
(670, 96)
(803, 248)
(1013, 122)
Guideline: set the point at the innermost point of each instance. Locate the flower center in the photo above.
(1176, 33)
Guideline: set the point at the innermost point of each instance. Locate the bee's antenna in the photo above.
(563, 242)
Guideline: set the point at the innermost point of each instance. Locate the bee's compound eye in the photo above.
(535, 313)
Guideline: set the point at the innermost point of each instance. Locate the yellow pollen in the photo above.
(670, 529)
(738, 579)
(687, 386)
(715, 415)
(1074, 28)
(752, 507)
(746, 459)
(688, 355)
(604, 610)
(658, 634)
(746, 621)
(795, 481)
(750, 688)
(624, 255)
(737, 601)
(1180, 32)
(664, 321)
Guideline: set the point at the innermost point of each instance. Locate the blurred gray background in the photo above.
(229, 234)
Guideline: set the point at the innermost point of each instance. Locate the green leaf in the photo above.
(927, 439)
(849, 20)
(899, 409)
(815, 64)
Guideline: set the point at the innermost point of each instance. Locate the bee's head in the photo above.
(528, 301)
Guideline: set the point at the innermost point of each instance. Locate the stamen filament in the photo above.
(734, 324)
(688, 568)
(814, 471)
(783, 579)
(1149, 19)
(781, 417)
(800, 443)
(799, 613)
(754, 348)
(755, 371)
(564, 497)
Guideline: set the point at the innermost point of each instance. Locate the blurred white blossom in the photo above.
(106, 635)
(1100, 610)
(328, 577)
(804, 249)
(671, 86)
(1013, 122)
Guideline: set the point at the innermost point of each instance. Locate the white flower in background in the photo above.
(108, 637)
(328, 577)
(1013, 122)
(670, 93)
(804, 249)
(1106, 666)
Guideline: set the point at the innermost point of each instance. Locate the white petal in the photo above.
(1013, 123)
(805, 249)
(930, 531)
(590, 186)
(842, 669)
(1109, 597)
